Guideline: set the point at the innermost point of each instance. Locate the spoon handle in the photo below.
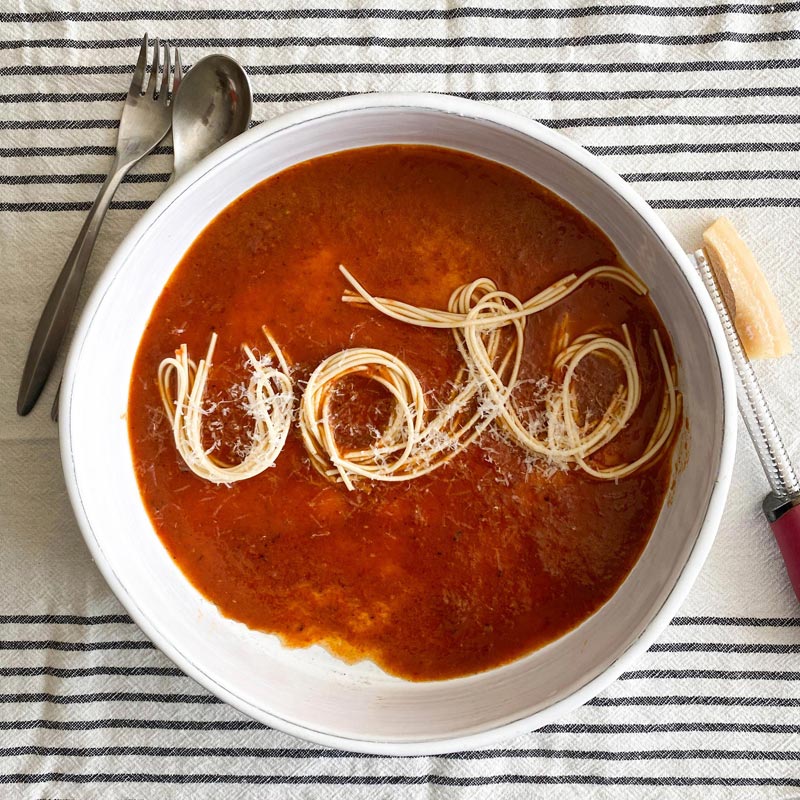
(54, 322)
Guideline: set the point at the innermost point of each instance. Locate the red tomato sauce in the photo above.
(464, 569)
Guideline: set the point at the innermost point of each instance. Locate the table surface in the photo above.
(697, 105)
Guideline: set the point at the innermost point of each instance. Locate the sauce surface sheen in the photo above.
(449, 574)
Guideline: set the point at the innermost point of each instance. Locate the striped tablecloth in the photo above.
(697, 105)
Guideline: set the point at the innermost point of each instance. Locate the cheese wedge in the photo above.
(754, 308)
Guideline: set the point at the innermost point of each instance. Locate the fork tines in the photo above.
(153, 90)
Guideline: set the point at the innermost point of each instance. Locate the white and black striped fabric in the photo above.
(696, 103)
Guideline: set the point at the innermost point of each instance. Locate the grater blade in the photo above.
(753, 405)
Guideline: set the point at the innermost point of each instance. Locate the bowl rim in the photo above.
(478, 111)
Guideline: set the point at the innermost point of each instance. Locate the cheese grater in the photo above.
(782, 505)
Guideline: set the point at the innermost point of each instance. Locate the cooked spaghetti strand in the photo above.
(269, 400)
(415, 441)
(488, 327)
(477, 313)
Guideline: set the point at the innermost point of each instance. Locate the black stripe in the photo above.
(708, 674)
(246, 725)
(557, 124)
(622, 94)
(75, 178)
(134, 724)
(719, 175)
(66, 69)
(696, 700)
(305, 68)
(387, 780)
(602, 40)
(103, 619)
(78, 150)
(469, 755)
(56, 124)
(119, 205)
(673, 119)
(82, 672)
(64, 619)
(108, 697)
(691, 147)
(670, 727)
(58, 97)
(645, 674)
(50, 644)
(718, 202)
(759, 622)
(522, 67)
(181, 752)
(722, 647)
(699, 204)
(600, 150)
(633, 177)
(106, 619)
(643, 700)
(402, 14)
(313, 96)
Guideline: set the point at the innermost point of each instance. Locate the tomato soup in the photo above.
(475, 564)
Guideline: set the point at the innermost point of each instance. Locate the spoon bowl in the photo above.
(213, 105)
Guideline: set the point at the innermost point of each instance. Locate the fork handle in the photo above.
(55, 320)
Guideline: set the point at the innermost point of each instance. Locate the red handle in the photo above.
(787, 533)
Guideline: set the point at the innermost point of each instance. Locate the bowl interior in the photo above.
(307, 691)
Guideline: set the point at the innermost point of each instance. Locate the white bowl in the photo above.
(307, 692)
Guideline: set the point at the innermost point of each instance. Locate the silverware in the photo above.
(144, 123)
(782, 505)
(214, 105)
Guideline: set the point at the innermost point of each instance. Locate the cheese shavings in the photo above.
(415, 440)
(488, 327)
(269, 400)
(477, 314)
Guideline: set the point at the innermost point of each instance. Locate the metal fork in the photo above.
(146, 118)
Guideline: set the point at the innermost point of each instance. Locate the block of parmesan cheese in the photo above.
(754, 308)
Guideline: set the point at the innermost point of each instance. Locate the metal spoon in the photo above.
(213, 104)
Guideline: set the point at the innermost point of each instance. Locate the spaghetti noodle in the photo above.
(269, 400)
(476, 314)
(417, 440)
